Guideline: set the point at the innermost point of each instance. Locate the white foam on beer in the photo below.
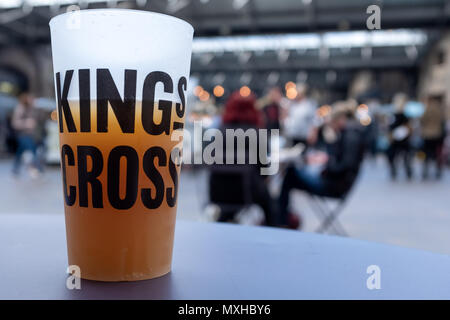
(120, 39)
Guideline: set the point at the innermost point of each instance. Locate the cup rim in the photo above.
(132, 11)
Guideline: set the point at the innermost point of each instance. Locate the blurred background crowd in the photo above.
(362, 114)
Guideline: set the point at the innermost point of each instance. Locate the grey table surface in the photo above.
(222, 261)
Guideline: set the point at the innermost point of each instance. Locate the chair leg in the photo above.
(322, 212)
(331, 220)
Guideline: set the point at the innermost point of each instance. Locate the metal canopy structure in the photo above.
(25, 21)
(261, 42)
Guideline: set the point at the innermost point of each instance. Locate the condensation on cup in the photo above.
(120, 80)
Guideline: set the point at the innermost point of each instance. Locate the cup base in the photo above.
(126, 278)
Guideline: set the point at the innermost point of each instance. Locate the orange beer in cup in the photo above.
(121, 105)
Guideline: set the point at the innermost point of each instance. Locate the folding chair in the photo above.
(329, 213)
(223, 198)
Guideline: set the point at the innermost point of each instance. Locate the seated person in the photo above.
(340, 170)
(226, 182)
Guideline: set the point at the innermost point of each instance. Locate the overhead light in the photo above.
(141, 3)
(411, 52)
(245, 91)
(283, 56)
(289, 85)
(83, 4)
(244, 57)
(219, 78)
(303, 42)
(302, 76)
(218, 91)
(206, 58)
(365, 121)
(255, 43)
(27, 8)
(112, 4)
(198, 90)
(204, 95)
(273, 77)
(362, 110)
(246, 77)
(291, 93)
(9, 4)
(239, 4)
(176, 5)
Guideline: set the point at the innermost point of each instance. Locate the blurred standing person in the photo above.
(300, 117)
(399, 134)
(272, 110)
(25, 123)
(433, 134)
(372, 130)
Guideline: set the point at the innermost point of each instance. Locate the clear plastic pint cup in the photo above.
(121, 80)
